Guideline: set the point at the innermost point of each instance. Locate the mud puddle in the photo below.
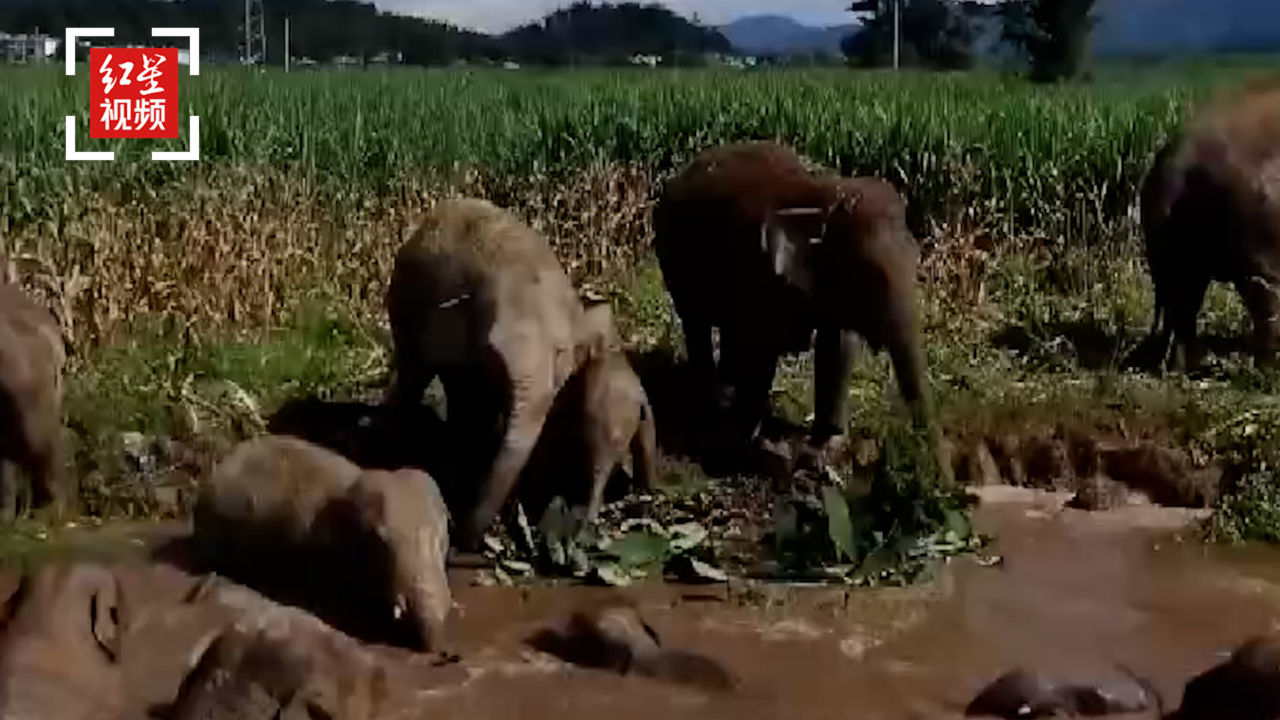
(1076, 593)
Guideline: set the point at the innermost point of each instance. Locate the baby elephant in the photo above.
(480, 300)
(1024, 693)
(363, 549)
(32, 360)
(602, 412)
(59, 658)
(280, 662)
(611, 634)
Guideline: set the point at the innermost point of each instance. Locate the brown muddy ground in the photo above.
(1076, 592)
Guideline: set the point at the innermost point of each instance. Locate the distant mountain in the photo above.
(781, 35)
(1125, 28)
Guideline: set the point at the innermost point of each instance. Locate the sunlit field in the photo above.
(200, 295)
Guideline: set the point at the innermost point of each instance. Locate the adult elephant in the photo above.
(1210, 210)
(753, 243)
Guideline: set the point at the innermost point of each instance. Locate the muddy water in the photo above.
(1076, 593)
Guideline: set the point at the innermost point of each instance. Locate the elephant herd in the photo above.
(762, 256)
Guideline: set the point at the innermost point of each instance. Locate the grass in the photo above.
(199, 296)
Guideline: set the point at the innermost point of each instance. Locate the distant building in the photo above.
(24, 47)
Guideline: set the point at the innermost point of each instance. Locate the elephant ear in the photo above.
(106, 617)
(787, 238)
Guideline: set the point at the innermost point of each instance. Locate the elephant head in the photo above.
(398, 522)
(846, 253)
(596, 334)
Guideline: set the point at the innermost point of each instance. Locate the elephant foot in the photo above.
(1145, 357)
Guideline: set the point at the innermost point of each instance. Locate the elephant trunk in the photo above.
(414, 609)
(423, 598)
(907, 355)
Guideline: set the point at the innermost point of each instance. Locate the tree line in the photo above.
(1051, 34)
(326, 29)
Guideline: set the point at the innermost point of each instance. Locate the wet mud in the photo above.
(1074, 594)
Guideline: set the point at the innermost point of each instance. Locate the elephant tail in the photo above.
(644, 447)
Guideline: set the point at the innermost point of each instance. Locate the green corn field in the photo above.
(1012, 153)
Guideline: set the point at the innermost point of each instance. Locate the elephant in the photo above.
(1025, 693)
(1245, 686)
(611, 634)
(1209, 209)
(480, 300)
(277, 661)
(364, 549)
(601, 413)
(33, 357)
(780, 258)
(60, 651)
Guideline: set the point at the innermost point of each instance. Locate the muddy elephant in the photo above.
(480, 300)
(1245, 686)
(779, 258)
(60, 649)
(612, 634)
(32, 361)
(601, 413)
(364, 549)
(1025, 693)
(278, 661)
(1210, 211)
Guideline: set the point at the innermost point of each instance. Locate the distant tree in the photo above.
(935, 34)
(583, 33)
(1053, 35)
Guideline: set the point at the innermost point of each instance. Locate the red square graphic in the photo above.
(134, 92)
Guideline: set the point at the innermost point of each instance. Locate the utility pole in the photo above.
(286, 43)
(875, 8)
(897, 33)
(255, 32)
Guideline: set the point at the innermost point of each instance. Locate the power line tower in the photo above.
(255, 33)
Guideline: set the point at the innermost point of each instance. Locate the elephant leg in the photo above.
(473, 427)
(1182, 311)
(9, 479)
(1153, 351)
(601, 470)
(748, 369)
(698, 346)
(1263, 304)
(412, 375)
(44, 468)
(833, 361)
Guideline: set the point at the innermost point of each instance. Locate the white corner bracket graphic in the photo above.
(69, 50)
(193, 144)
(75, 155)
(74, 34)
(192, 34)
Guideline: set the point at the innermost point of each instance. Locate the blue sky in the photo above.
(499, 15)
